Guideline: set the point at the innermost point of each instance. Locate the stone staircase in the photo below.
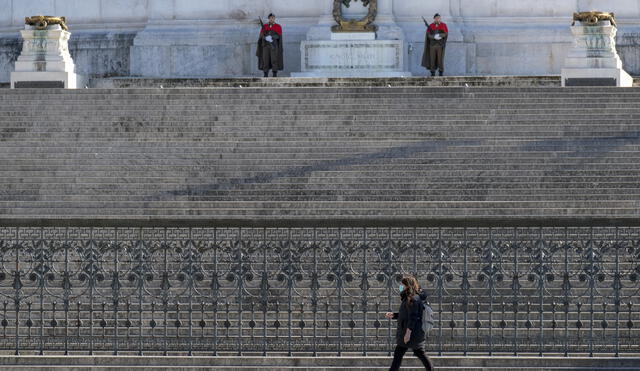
(327, 153)
(366, 153)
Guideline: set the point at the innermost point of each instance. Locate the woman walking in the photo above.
(409, 334)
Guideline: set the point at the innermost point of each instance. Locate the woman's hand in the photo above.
(407, 336)
(388, 315)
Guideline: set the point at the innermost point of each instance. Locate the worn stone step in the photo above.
(358, 152)
(331, 138)
(597, 108)
(278, 82)
(279, 121)
(347, 361)
(258, 102)
(318, 213)
(363, 85)
(35, 167)
(318, 197)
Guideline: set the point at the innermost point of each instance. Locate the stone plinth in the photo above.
(45, 60)
(352, 58)
(593, 59)
(354, 54)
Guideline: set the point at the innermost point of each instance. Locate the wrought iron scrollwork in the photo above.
(317, 290)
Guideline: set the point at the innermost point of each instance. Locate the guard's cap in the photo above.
(271, 15)
(436, 15)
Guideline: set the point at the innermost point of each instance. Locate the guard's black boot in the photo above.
(275, 73)
(266, 73)
(433, 73)
(439, 73)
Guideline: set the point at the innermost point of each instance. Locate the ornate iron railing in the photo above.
(316, 290)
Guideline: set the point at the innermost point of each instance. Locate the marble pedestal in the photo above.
(45, 61)
(593, 59)
(352, 55)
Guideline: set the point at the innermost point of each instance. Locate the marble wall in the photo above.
(217, 37)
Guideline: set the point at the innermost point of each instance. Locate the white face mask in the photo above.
(401, 287)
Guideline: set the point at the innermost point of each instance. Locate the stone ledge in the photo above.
(453, 81)
(199, 222)
(315, 363)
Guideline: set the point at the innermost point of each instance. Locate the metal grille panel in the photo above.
(317, 290)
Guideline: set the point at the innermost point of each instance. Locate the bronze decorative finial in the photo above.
(41, 22)
(593, 17)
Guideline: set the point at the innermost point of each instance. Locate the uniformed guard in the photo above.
(269, 53)
(434, 45)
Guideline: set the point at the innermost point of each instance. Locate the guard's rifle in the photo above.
(425, 22)
(261, 25)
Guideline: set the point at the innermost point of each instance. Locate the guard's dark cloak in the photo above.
(270, 55)
(426, 61)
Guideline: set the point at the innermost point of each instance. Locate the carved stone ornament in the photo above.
(364, 24)
(593, 18)
(41, 22)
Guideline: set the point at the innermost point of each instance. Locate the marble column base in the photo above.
(45, 61)
(66, 80)
(593, 60)
(596, 77)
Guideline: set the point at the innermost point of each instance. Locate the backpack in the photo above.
(427, 318)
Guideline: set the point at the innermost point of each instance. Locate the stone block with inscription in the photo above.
(352, 58)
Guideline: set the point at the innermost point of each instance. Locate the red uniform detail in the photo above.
(440, 27)
(276, 28)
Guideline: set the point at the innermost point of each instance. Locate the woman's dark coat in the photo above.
(410, 316)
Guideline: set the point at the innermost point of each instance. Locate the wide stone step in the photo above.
(247, 136)
(348, 361)
(486, 81)
(220, 173)
(358, 129)
(320, 197)
(597, 107)
(358, 99)
(297, 92)
(358, 152)
(345, 186)
(196, 185)
(356, 119)
(177, 165)
(357, 84)
(362, 114)
(331, 140)
(288, 81)
(216, 101)
(305, 101)
(276, 117)
(357, 143)
(348, 103)
(311, 212)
